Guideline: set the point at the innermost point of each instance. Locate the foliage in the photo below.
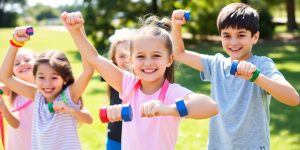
(266, 26)
(8, 17)
(41, 12)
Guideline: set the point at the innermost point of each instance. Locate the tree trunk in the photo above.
(290, 8)
(154, 7)
(245, 1)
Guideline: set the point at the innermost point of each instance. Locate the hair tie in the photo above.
(160, 24)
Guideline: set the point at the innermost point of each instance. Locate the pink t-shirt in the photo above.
(20, 138)
(157, 133)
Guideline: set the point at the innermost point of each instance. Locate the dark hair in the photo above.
(240, 16)
(161, 28)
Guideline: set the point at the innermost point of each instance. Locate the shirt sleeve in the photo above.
(70, 101)
(207, 62)
(269, 69)
(128, 82)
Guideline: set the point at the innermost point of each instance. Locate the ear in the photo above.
(255, 37)
(170, 60)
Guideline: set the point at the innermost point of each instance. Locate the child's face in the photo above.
(150, 58)
(122, 55)
(23, 66)
(238, 43)
(48, 81)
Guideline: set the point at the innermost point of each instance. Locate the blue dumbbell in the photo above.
(187, 15)
(29, 30)
(233, 68)
(126, 113)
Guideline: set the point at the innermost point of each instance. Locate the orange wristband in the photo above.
(17, 43)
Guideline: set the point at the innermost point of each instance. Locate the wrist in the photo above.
(255, 76)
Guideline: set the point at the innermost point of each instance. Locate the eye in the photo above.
(242, 35)
(226, 36)
(156, 56)
(54, 78)
(17, 64)
(41, 77)
(26, 60)
(140, 56)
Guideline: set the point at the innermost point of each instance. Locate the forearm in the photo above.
(7, 64)
(280, 89)
(198, 107)
(177, 41)
(82, 116)
(11, 119)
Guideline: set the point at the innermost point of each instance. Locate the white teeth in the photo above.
(235, 49)
(25, 69)
(149, 70)
(48, 90)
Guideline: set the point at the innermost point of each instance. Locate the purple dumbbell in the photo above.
(29, 30)
(187, 15)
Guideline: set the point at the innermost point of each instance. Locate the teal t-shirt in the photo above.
(243, 120)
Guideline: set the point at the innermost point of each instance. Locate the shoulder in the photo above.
(176, 91)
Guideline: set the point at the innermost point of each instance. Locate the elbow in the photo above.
(295, 102)
(15, 125)
(214, 109)
(89, 120)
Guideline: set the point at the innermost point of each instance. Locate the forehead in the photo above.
(123, 46)
(148, 43)
(45, 69)
(231, 30)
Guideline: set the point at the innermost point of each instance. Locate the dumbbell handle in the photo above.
(1, 92)
(187, 15)
(126, 114)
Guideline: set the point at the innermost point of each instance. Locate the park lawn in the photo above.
(285, 123)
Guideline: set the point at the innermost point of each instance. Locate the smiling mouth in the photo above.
(149, 70)
(235, 49)
(24, 70)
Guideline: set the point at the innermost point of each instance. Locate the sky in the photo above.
(52, 3)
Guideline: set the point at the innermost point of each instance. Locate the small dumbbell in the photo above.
(50, 104)
(187, 15)
(1, 92)
(233, 68)
(29, 31)
(126, 113)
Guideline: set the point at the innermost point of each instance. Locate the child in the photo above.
(243, 122)
(119, 53)
(54, 82)
(147, 90)
(19, 115)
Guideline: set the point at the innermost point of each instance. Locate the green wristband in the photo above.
(255, 75)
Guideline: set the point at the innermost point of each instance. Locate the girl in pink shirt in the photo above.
(155, 114)
(19, 114)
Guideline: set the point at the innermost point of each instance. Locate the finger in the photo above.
(142, 111)
(68, 19)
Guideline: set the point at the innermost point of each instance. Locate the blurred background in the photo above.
(280, 40)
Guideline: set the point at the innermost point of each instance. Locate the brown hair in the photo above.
(160, 28)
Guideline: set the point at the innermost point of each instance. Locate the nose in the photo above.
(148, 62)
(233, 41)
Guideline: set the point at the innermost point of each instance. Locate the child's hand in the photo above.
(2, 105)
(60, 106)
(114, 113)
(72, 21)
(245, 70)
(151, 108)
(178, 17)
(20, 35)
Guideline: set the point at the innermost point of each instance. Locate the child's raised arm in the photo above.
(82, 81)
(112, 74)
(189, 58)
(6, 76)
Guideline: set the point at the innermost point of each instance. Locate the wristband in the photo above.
(182, 110)
(255, 75)
(50, 107)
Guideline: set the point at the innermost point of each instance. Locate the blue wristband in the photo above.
(182, 110)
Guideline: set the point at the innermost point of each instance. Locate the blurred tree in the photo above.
(8, 15)
(41, 12)
(291, 18)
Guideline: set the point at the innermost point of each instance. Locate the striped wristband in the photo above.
(181, 108)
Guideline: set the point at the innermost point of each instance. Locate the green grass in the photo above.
(285, 124)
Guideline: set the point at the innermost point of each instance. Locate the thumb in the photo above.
(63, 16)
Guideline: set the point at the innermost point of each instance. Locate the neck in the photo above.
(151, 87)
